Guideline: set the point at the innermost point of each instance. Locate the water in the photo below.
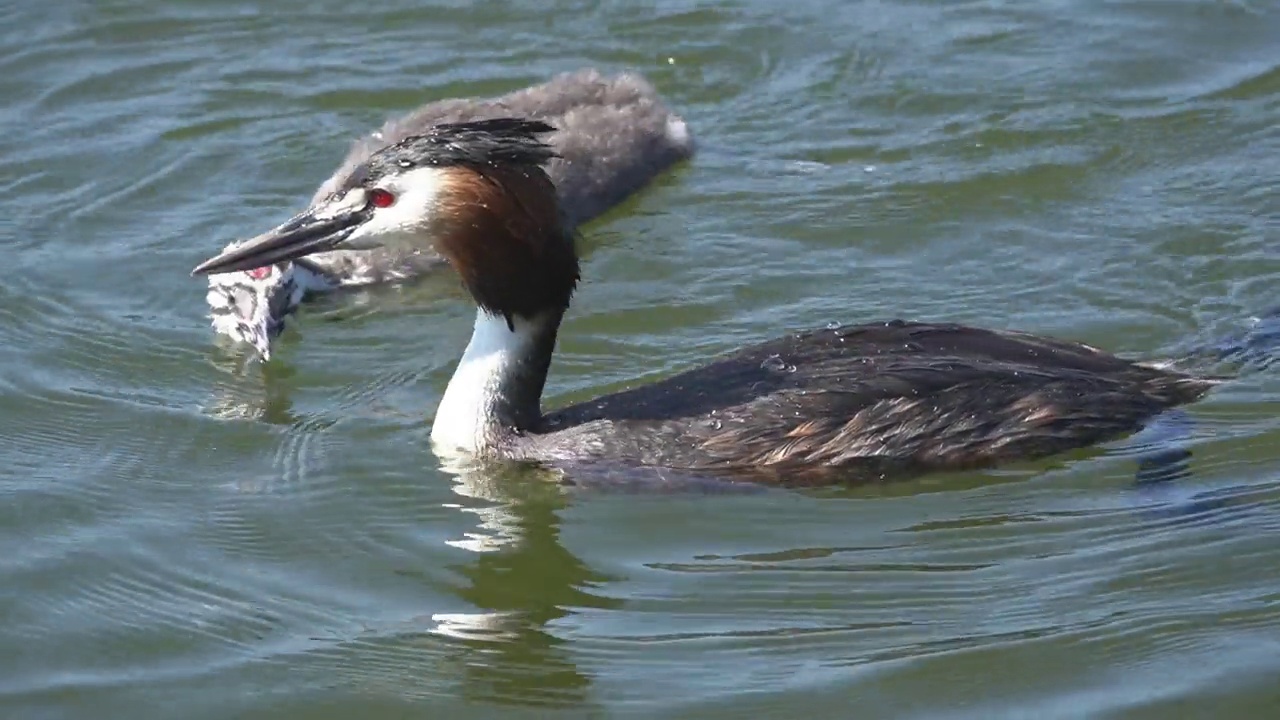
(182, 534)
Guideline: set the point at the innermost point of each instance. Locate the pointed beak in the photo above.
(317, 229)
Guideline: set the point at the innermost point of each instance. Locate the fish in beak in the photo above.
(319, 228)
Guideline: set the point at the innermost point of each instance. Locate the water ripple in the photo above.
(183, 531)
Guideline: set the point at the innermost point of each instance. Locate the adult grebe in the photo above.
(615, 134)
(836, 404)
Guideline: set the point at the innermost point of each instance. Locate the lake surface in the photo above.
(187, 534)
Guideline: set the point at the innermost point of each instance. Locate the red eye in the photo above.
(381, 198)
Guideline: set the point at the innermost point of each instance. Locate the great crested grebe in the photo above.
(830, 405)
(614, 135)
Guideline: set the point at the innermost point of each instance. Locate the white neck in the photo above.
(495, 376)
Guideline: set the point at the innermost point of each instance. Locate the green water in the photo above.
(184, 535)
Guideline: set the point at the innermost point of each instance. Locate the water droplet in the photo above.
(775, 363)
(833, 325)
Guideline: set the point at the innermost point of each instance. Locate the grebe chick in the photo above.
(831, 405)
(614, 135)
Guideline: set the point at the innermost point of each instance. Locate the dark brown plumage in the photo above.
(869, 402)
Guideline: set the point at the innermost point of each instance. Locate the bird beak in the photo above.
(317, 229)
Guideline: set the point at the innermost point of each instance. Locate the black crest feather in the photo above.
(498, 141)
